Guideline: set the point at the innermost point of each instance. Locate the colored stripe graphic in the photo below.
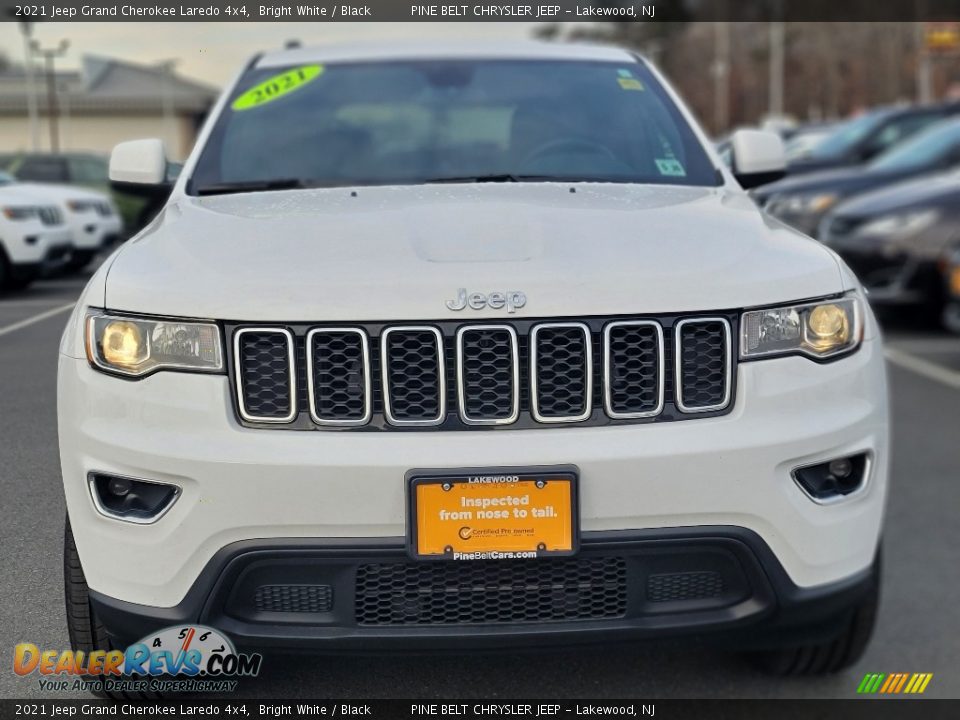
(894, 683)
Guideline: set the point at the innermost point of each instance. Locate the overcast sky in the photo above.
(214, 52)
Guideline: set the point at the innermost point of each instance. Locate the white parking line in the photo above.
(929, 370)
(35, 319)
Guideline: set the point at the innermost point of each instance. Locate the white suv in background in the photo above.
(34, 239)
(92, 217)
(471, 345)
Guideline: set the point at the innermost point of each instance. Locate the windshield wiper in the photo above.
(252, 186)
(500, 177)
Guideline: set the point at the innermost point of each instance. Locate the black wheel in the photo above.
(833, 655)
(86, 631)
(951, 316)
(4, 272)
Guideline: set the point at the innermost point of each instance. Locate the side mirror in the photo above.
(139, 162)
(758, 157)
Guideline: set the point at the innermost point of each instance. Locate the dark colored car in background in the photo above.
(950, 266)
(72, 168)
(868, 135)
(802, 202)
(895, 239)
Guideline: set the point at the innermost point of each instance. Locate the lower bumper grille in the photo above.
(491, 592)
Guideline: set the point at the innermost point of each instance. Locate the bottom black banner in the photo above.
(875, 709)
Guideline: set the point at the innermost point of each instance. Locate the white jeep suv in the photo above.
(468, 345)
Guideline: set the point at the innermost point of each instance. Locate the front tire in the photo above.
(836, 654)
(86, 631)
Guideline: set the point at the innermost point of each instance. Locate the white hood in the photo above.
(398, 253)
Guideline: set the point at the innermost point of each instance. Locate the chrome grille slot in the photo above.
(703, 364)
(50, 216)
(633, 369)
(266, 377)
(488, 374)
(561, 372)
(338, 376)
(414, 375)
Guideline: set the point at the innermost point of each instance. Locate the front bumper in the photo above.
(364, 596)
(240, 484)
(93, 232)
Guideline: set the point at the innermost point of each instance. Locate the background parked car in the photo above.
(34, 238)
(802, 202)
(802, 142)
(91, 216)
(893, 239)
(72, 168)
(950, 265)
(867, 136)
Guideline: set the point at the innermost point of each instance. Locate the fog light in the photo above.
(118, 486)
(833, 479)
(137, 501)
(840, 468)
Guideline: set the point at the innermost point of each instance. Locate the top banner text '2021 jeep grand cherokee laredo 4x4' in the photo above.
(452, 345)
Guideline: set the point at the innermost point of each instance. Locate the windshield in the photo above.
(927, 148)
(847, 135)
(384, 123)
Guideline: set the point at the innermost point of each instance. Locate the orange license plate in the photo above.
(494, 516)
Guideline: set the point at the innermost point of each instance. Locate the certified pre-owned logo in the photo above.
(512, 300)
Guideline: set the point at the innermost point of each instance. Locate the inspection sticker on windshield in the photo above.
(671, 167)
(630, 83)
(277, 86)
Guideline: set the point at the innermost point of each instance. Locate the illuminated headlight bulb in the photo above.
(123, 344)
(828, 326)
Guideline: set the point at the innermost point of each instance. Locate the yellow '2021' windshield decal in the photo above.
(277, 86)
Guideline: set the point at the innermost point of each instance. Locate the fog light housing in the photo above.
(834, 479)
(131, 500)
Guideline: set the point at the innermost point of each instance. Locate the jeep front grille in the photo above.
(456, 376)
(50, 215)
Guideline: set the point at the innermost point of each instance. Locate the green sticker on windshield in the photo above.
(277, 86)
(671, 167)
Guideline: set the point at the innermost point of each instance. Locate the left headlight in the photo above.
(900, 224)
(81, 205)
(802, 204)
(135, 346)
(820, 330)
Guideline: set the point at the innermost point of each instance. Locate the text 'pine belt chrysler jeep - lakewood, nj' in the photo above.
(471, 346)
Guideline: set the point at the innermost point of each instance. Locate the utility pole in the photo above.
(49, 56)
(721, 76)
(166, 100)
(776, 64)
(26, 28)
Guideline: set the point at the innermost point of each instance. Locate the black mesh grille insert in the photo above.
(510, 591)
(339, 375)
(703, 364)
(264, 363)
(634, 372)
(293, 598)
(562, 356)
(673, 587)
(412, 367)
(488, 364)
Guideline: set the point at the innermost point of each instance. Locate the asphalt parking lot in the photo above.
(917, 629)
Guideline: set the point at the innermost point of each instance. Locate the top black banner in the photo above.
(532, 11)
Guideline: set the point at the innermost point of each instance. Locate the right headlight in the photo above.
(20, 212)
(819, 329)
(135, 346)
